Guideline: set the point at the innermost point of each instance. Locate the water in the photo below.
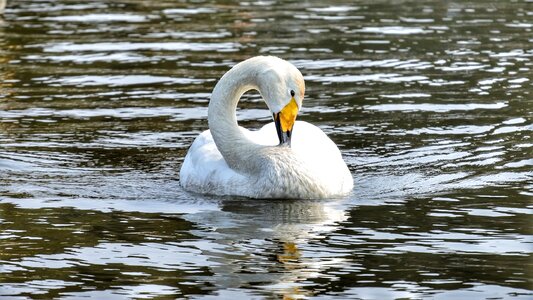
(429, 101)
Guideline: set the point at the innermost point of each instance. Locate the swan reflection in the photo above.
(268, 244)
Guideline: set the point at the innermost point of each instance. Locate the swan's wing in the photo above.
(315, 150)
(322, 156)
(266, 136)
(204, 170)
(307, 140)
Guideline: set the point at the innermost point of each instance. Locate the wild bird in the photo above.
(271, 162)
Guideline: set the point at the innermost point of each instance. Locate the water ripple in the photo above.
(120, 80)
(130, 46)
(394, 30)
(98, 18)
(441, 108)
(380, 77)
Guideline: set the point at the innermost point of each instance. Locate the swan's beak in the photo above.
(284, 121)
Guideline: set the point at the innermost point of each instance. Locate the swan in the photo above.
(270, 162)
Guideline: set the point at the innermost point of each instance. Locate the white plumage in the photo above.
(231, 160)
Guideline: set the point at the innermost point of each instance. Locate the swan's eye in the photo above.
(292, 93)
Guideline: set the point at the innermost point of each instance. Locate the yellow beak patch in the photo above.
(288, 115)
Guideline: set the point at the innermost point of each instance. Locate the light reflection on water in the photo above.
(428, 101)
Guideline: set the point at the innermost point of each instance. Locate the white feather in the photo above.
(231, 160)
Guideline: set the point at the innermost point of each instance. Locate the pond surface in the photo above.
(429, 101)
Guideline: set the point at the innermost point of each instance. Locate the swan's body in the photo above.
(231, 160)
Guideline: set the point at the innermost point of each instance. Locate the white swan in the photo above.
(270, 162)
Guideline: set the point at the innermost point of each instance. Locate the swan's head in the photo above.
(282, 86)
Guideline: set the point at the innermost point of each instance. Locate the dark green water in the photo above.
(429, 101)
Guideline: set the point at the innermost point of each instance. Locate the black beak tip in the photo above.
(283, 136)
(286, 138)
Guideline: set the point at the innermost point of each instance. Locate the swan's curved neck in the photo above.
(234, 146)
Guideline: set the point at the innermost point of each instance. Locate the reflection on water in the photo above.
(429, 102)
